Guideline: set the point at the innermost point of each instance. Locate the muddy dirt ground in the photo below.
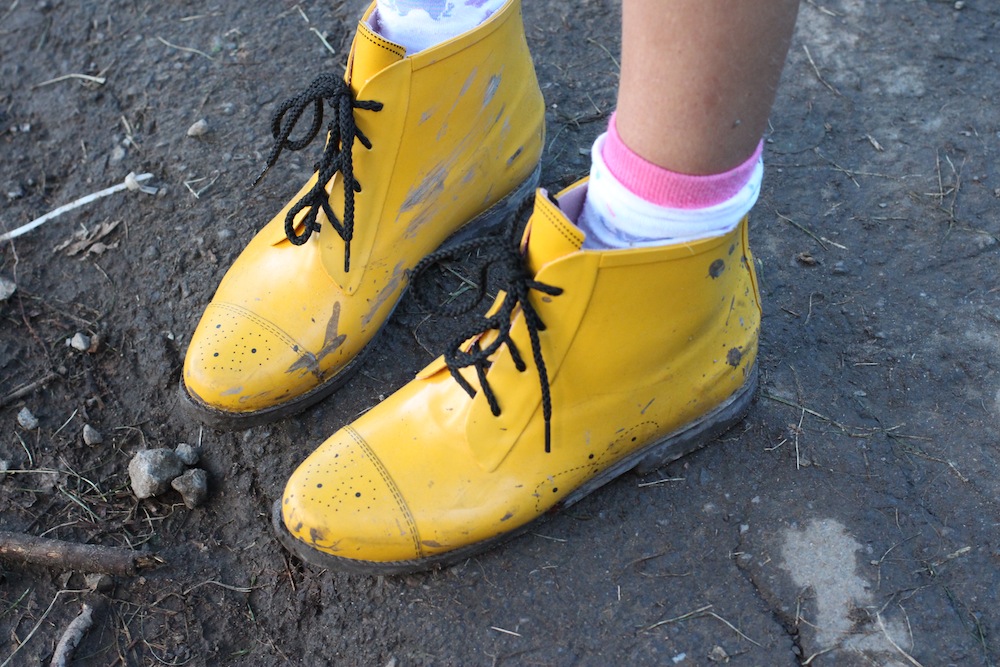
(852, 519)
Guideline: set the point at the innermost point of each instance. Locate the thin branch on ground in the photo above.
(20, 548)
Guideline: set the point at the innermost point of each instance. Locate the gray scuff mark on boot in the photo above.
(332, 341)
(496, 119)
(431, 185)
(517, 153)
(442, 131)
(505, 128)
(822, 557)
(491, 88)
(388, 291)
(467, 84)
(426, 116)
(426, 195)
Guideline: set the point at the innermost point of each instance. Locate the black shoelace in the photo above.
(337, 155)
(503, 256)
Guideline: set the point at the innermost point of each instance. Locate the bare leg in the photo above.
(699, 77)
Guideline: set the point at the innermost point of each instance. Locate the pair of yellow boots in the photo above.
(590, 363)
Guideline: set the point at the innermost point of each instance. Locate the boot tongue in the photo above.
(550, 234)
(371, 54)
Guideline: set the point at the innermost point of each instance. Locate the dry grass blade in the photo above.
(185, 48)
(818, 75)
(99, 80)
(701, 613)
(888, 638)
(212, 582)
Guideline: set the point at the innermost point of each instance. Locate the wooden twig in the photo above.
(132, 182)
(63, 555)
(24, 390)
(72, 636)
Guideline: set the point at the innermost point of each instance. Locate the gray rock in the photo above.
(91, 435)
(188, 454)
(193, 487)
(7, 288)
(80, 341)
(151, 471)
(199, 129)
(27, 420)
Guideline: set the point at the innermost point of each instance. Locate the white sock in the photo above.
(615, 217)
(420, 24)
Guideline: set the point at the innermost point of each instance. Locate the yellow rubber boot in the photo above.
(628, 359)
(432, 148)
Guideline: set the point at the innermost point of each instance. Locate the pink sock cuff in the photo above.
(667, 188)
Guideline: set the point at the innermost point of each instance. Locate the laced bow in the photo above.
(337, 155)
(505, 259)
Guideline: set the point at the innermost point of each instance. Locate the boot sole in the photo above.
(489, 220)
(655, 455)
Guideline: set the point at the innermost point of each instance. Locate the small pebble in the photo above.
(151, 253)
(151, 471)
(4, 466)
(718, 654)
(118, 154)
(79, 341)
(193, 487)
(840, 269)
(806, 259)
(199, 129)
(27, 420)
(91, 435)
(7, 288)
(188, 454)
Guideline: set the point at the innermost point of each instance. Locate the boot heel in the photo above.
(701, 432)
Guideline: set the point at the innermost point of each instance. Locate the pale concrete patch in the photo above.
(822, 558)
